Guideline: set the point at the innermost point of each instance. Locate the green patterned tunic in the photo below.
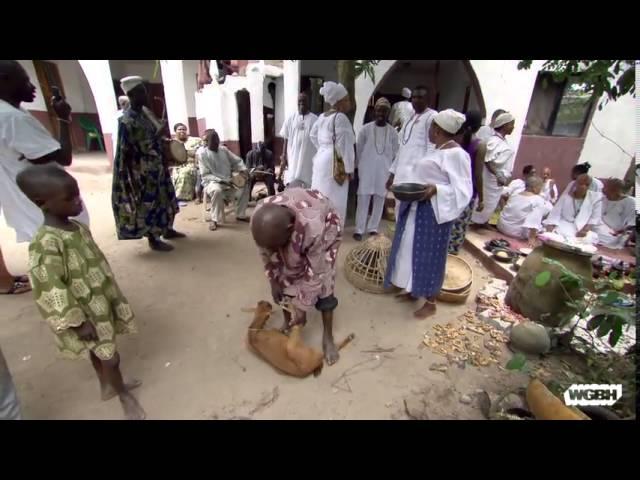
(72, 282)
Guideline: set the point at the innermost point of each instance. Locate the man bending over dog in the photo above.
(298, 233)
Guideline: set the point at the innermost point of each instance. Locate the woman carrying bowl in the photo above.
(419, 251)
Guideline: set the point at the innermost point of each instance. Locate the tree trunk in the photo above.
(347, 77)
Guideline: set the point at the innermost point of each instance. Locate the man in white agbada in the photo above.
(402, 111)
(217, 165)
(577, 213)
(498, 166)
(486, 131)
(298, 149)
(618, 215)
(333, 130)
(420, 245)
(595, 185)
(25, 141)
(522, 215)
(376, 148)
(414, 140)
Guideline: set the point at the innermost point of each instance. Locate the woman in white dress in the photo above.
(420, 245)
(618, 215)
(577, 213)
(333, 130)
(375, 150)
(522, 215)
(498, 167)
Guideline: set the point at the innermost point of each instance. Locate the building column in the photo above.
(174, 92)
(98, 74)
(291, 87)
(255, 85)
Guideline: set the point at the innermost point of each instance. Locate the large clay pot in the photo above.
(547, 305)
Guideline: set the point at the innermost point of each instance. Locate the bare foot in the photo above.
(427, 310)
(285, 328)
(131, 407)
(213, 226)
(331, 354)
(108, 392)
(405, 297)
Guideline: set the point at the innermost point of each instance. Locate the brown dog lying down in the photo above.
(288, 354)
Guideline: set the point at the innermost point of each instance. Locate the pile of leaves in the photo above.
(471, 341)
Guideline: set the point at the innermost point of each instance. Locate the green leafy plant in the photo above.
(615, 78)
(606, 314)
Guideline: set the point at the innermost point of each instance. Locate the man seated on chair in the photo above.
(262, 167)
(217, 165)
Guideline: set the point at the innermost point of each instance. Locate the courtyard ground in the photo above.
(191, 352)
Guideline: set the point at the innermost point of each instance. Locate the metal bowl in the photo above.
(409, 192)
(506, 257)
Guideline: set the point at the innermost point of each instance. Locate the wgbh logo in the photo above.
(596, 395)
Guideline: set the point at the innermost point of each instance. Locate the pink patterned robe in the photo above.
(306, 266)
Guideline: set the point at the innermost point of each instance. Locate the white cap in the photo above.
(129, 83)
(503, 119)
(406, 93)
(449, 120)
(333, 92)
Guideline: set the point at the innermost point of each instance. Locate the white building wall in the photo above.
(174, 92)
(190, 69)
(615, 121)
(98, 74)
(143, 68)
(291, 84)
(76, 86)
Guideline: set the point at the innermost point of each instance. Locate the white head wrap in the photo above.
(383, 102)
(449, 120)
(406, 93)
(333, 92)
(503, 119)
(129, 83)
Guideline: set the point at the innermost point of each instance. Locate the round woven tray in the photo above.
(449, 297)
(458, 275)
(366, 264)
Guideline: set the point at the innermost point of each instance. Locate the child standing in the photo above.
(73, 285)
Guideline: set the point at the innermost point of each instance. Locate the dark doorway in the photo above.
(243, 100)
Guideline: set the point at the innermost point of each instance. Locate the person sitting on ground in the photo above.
(402, 111)
(73, 285)
(260, 160)
(518, 185)
(618, 215)
(522, 215)
(549, 189)
(298, 234)
(577, 213)
(595, 185)
(217, 164)
(185, 176)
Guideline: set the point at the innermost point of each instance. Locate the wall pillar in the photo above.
(291, 87)
(174, 92)
(255, 81)
(98, 74)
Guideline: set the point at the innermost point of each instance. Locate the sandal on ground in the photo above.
(17, 288)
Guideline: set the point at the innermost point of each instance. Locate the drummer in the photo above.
(259, 160)
(185, 175)
(217, 164)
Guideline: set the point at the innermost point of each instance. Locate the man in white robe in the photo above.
(402, 111)
(414, 141)
(24, 141)
(522, 215)
(498, 166)
(376, 148)
(298, 148)
(577, 213)
(618, 215)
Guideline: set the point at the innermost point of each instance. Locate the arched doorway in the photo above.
(450, 83)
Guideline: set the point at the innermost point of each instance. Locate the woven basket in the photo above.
(458, 275)
(449, 297)
(366, 264)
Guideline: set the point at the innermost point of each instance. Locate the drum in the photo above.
(177, 152)
(239, 180)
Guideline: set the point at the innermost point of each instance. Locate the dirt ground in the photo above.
(191, 353)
